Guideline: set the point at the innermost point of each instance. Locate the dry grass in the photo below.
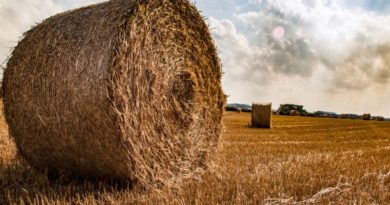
(300, 161)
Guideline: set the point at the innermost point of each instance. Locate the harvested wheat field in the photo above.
(300, 161)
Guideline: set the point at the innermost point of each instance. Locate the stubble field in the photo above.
(301, 161)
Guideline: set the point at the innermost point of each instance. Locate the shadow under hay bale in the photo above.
(262, 115)
(123, 89)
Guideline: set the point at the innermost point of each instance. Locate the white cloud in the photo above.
(330, 48)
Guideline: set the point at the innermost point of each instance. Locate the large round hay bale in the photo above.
(123, 89)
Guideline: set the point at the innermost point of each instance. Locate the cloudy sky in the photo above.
(329, 55)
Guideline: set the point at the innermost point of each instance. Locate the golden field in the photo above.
(300, 161)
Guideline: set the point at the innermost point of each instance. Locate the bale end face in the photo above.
(262, 115)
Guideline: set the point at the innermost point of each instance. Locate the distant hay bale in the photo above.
(262, 115)
(366, 117)
(124, 89)
(294, 113)
(239, 110)
(344, 116)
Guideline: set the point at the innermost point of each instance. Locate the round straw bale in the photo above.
(124, 89)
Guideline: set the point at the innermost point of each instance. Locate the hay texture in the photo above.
(1, 90)
(262, 115)
(125, 89)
